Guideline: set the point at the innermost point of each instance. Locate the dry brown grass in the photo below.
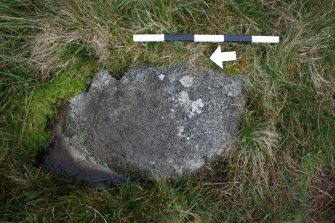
(322, 192)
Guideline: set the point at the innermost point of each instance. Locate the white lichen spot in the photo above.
(161, 76)
(75, 101)
(125, 80)
(197, 105)
(186, 81)
(181, 131)
(140, 76)
(190, 115)
(76, 106)
(177, 169)
(183, 97)
(101, 79)
(193, 107)
(232, 90)
(194, 164)
(219, 152)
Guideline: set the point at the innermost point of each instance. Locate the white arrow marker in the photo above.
(218, 57)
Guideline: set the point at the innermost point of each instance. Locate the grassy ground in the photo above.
(281, 168)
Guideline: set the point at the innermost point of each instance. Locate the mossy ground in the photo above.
(49, 48)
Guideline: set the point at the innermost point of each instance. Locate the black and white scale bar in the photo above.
(204, 38)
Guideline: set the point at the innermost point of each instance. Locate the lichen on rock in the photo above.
(153, 122)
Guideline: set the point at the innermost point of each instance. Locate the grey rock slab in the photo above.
(152, 123)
